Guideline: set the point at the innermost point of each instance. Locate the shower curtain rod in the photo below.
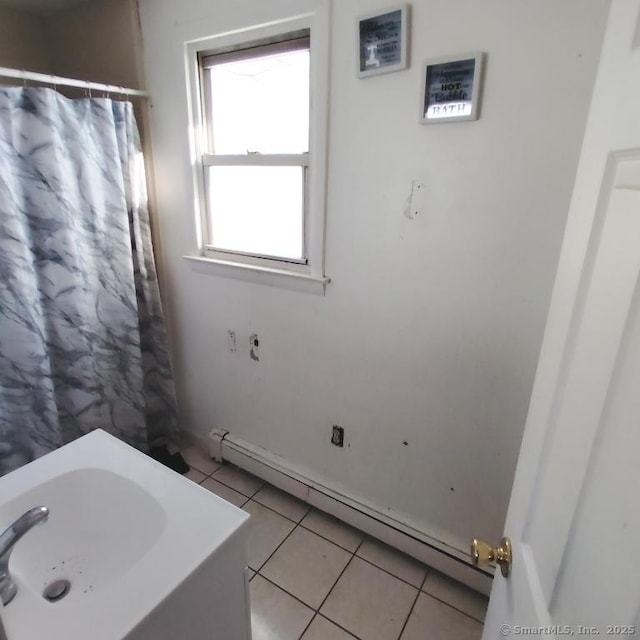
(46, 78)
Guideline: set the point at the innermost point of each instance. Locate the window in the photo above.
(259, 107)
(256, 111)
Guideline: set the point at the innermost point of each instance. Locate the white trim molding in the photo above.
(318, 23)
(260, 274)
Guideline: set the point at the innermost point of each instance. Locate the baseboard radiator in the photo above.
(224, 446)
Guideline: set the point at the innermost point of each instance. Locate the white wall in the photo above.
(429, 331)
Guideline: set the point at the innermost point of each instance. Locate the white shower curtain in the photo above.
(82, 340)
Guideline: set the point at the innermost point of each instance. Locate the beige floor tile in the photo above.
(275, 615)
(306, 566)
(457, 595)
(224, 492)
(322, 629)
(333, 529)
(393, 561)
(195, 476)
(282, 502)
(437, 621)
(198, 459)
(369, 603)
(238, 479)
(267, 530)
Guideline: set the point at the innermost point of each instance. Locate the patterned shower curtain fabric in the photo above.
(82, 340)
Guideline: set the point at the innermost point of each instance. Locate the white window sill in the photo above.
(259, 274)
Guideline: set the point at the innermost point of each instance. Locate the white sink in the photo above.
(148, 553)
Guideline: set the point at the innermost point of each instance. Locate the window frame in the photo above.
(311, 266)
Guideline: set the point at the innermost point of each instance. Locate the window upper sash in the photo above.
(294, 42)
(287, 43)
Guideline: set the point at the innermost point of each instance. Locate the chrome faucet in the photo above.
(28, 520)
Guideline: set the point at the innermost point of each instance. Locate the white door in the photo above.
(574, 515)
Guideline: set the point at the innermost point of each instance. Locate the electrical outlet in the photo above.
(231, 338)
(337, 435)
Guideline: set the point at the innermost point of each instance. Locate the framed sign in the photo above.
(382, 41)
(451, 89)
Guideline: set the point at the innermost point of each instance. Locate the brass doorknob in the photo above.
(482, 553)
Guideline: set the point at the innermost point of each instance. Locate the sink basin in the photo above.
(147, 553)
(100, 525)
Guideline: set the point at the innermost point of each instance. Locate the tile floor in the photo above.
(315, 578)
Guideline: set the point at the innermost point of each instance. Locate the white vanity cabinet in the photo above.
(149, 555)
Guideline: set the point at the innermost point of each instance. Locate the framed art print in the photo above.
(382, 41)
(451, 89)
